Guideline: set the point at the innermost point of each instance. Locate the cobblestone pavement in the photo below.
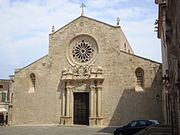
(55, 130)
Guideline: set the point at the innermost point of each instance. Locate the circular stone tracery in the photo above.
(83, 51)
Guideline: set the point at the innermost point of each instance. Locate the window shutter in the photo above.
(3, 96)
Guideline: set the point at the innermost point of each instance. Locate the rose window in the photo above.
(83, 51)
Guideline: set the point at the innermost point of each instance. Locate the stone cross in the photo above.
(82, 6)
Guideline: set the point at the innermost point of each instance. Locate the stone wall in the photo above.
(120, 101)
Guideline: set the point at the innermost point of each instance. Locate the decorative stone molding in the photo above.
(83, 79)
(82, 72)
(99, 72)
(82, 50)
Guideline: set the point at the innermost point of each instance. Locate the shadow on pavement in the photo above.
(107, 130)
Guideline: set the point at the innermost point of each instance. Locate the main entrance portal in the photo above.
(81, 108)
(81, 98)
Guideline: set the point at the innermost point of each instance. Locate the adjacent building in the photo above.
(169, 32)
(5, 101)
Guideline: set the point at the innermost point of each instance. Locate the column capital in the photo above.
(92, 87)
(69, 87)
(99, 87)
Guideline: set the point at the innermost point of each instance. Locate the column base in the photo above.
(62, 120)
(92, 121)
(95, 121)
(66, 120)
(99, 121)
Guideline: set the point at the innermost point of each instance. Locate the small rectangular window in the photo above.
(3, 96)
(1, 86)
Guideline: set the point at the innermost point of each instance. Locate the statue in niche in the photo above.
(81, 71)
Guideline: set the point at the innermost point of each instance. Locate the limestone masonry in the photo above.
(90, 76)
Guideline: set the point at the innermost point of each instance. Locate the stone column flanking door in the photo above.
(63, 107)
(68, 112)
(99, 105)
(80, 79)
(92, 118)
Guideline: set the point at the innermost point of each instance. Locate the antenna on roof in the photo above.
(82, 7)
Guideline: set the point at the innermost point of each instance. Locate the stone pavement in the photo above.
(55, 130)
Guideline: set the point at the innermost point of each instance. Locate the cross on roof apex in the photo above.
(82, 6)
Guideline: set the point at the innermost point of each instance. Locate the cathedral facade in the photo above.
(90, 76)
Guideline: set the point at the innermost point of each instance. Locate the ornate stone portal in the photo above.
(82, 79)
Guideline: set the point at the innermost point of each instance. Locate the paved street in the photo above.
(55, 130)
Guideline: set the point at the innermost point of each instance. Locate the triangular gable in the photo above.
(86, 18)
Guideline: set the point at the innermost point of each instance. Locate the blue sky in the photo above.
(26, 24)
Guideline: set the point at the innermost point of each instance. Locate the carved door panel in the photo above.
(81, 108)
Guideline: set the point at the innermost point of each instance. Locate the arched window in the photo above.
(32, 83)
(139, 78)
(33, 79)
(125, 47)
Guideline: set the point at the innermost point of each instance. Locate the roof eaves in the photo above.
(30, 64)
(140, 57)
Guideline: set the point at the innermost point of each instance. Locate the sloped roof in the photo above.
(82, 16)
(18, 70)
(140, 57)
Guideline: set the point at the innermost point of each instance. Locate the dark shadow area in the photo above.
(138, 105)
(107, 129)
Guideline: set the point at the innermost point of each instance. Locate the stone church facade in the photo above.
(90, 76)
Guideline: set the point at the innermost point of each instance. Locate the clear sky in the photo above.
(26, 24)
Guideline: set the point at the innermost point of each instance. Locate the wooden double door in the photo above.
(81, 108)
